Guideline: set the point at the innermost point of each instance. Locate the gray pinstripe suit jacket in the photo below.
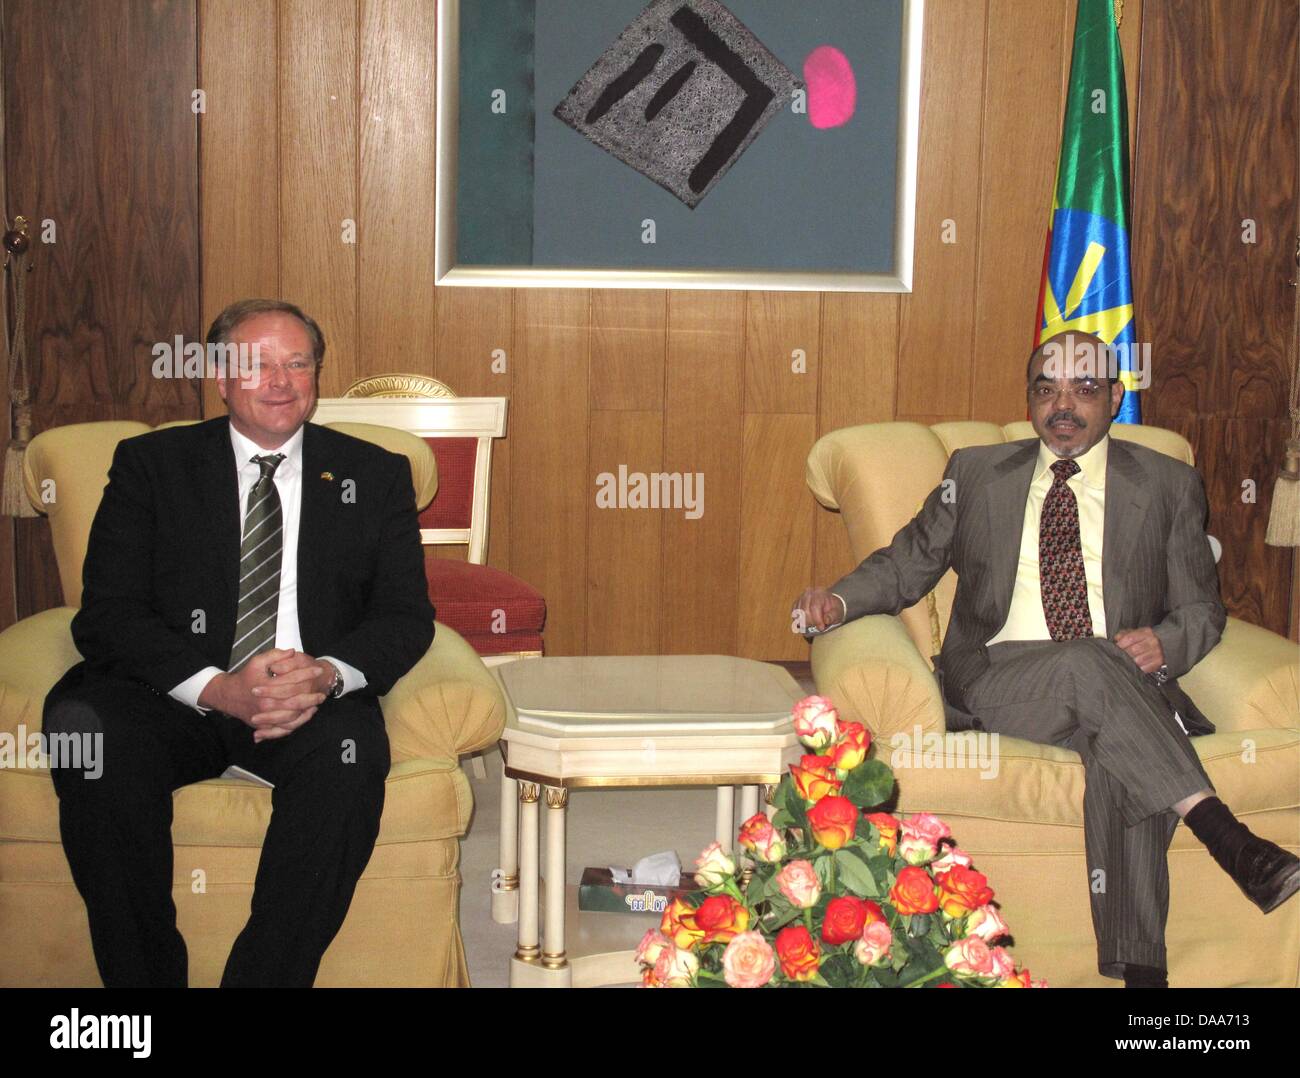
(1157, 566)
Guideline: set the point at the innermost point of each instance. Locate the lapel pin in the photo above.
(327, 476)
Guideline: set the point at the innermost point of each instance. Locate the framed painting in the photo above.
(738, 144)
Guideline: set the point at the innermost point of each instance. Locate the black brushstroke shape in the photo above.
(669, 90)
(620, 87)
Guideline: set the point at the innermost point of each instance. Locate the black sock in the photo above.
(1216, 827)
(1136, 976)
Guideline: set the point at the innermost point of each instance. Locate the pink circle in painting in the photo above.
(832, 89)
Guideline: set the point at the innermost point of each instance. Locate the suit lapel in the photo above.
(313, 517)
(219, 483)
(1007, 494)
(1127, 501)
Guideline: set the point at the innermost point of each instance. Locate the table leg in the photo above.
(769, 791)
(527, 951)
(557, 800)
(725, 827)
(505, 878)
(748, 808)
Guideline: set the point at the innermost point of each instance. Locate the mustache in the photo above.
(1057, 418)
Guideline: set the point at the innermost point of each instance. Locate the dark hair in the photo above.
(224, 324)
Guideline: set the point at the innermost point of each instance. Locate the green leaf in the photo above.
(919, 926)
(868, 785)
(856, 875)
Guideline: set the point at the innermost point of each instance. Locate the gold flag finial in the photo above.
(1119, 13)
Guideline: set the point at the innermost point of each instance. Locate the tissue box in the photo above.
(599, 893)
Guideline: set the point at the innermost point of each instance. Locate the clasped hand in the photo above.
(275, 692)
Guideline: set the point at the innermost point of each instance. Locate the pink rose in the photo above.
(873, 948)
(916, 850)
(647, 951)
(799, 883)
(952, 856)
(760, 838)
(987, 923)
(713, 867)
(925, 825)
(816, 722)
(676, 968)
(970, 956)
(748, 961)
(1003, 964)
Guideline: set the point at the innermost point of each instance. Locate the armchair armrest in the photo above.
(1249, 681)
(34, 654)
(872, 671)
(447, 704)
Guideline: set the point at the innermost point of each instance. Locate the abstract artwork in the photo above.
(677, 143)
(680, 95)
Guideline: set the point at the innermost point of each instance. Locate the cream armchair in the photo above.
(1021, 817)
(403, 926)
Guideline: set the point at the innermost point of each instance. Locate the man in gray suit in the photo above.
(1085, 587)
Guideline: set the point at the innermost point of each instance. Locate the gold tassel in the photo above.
(1284, 514)
(13, 495)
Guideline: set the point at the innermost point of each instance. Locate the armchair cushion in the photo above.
(467, 597)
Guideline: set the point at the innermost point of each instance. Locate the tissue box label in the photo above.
(599, 893)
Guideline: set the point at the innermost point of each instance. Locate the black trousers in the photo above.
(116, 827)
(1089, 696)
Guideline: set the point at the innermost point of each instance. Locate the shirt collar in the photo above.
(1092, 465)
(246, 449)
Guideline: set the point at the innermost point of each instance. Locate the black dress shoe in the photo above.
(1136, 976)
(1268, 874)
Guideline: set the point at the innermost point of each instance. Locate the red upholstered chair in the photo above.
(499, 615)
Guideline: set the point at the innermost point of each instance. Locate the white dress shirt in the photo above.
(288, 483)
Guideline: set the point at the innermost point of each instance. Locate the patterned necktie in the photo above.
(1060, 560)
(259, 566)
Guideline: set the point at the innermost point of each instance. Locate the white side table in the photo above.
(620, 721)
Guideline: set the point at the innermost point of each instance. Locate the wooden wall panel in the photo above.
(1218, 155)
(394, 266)
(702, 433)
(858, 376)
(551, 488)
(240, 207)
(776, 532)
(318, 175)
(937, 318)
(624, 545)
(119, 183)
(777, 325)
(628, 340)
(1021, 144)
(8, 584)
(475, 355)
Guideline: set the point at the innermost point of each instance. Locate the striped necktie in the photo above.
(260, 553)
(1060, 560)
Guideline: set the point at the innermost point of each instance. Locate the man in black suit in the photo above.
(252, 585)
(1085, 588)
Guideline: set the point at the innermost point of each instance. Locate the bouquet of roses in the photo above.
(838, 896)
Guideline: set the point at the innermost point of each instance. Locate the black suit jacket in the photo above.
(160, 582)
(1157, 566)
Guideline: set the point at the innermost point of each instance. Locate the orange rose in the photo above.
(813, 781)
(851, 749)
(962, 890)
(913, 892)
(680, 926)
(798, 952)
(845, 918)
(833, 821)
(887, 825)
(720, 917)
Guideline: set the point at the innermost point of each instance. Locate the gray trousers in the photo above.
(1089, 696)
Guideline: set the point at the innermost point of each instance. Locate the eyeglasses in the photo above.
(1085, 391)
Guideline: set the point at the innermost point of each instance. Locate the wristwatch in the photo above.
(336, 686)
(1161, 675)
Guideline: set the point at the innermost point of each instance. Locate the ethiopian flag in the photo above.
(1087, 284)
